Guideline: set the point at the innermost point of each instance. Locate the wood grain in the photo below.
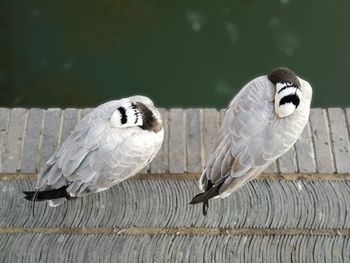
(277, 204)
(177, 140)
(159, 164)
(290, 214)
(340, 139)
(321, 139)
(4, 121)
(33, 130)
(305, 152)
(50, 134)
(13, 141)
(172, 248)
(194, 152)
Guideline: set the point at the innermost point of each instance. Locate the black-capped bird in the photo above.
(109, 145)
(261, 123)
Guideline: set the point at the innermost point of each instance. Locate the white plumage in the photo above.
(109, 145)
(262, 122)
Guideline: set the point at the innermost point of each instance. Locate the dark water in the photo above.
(180, 53)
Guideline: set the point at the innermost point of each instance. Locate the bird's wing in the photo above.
(248, 114)
(262, 149)
(252, 136)
(112, 164)
(90, 136)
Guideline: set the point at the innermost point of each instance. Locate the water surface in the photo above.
(180, 53)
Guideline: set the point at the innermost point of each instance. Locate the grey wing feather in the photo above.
(255, 136)
(119, 163)
(96, 155)
(248, 113)
(85, 138)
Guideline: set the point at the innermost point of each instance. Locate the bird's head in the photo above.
(290, 91)
(151, 118)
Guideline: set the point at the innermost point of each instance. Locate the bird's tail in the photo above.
(47, 194)
(52, 194)
(211, 191)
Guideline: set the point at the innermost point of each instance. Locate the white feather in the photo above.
(254, 132)
(132, 115)
(282, 90)
(101, 151)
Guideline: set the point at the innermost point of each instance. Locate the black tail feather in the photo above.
(47, 195)
(208, 194)
(29, 195)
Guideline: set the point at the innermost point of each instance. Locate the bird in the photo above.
(109, 145)
(261, 123)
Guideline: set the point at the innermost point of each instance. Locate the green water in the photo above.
(180, 53)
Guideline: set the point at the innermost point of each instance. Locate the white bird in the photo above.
(262, 122)
(109, 145)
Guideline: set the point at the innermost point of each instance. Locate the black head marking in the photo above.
(150, 122)
(123, 118)
(288, 86)
(293, 98)
(284, 75)
(134, 107)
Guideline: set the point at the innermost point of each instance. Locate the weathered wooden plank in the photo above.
(31, 140)
(340, 139)
(171, 248)
(194, 120)
(160, 162)
(287, 162)
(318, 123)
(177, 147)
(347, 116)
(4, 120)
(4, 244)
(139, 203)
(211, 123)
(11, 152)
(70, 119)
(305, 152)
(321, 139)
(346, 249)
(50, 134)
(272, 168)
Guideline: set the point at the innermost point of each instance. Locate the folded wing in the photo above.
(252, 137)
(100, 153)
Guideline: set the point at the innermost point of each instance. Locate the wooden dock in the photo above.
(297, 211)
